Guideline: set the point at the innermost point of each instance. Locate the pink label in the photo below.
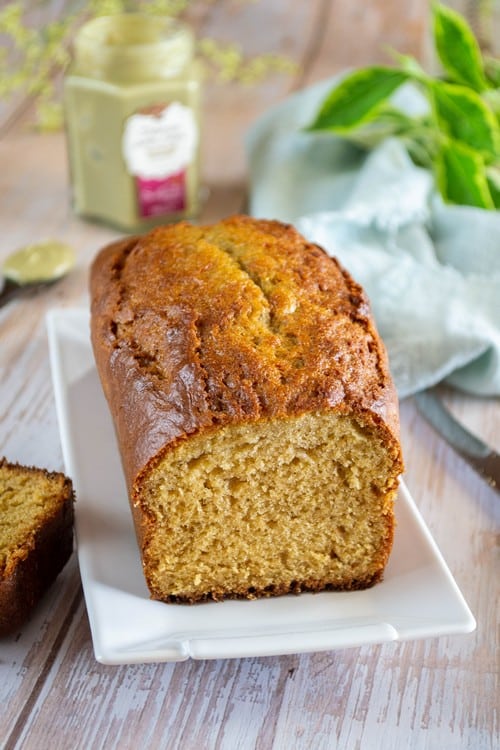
(159, 196)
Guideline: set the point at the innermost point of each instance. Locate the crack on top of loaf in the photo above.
(268, 315)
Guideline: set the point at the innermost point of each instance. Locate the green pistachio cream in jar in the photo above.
(132, 101)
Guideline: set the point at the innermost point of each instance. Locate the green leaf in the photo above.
(357, 98)
(390, 122)
(464, 116)
(461, 176)
(457, 48)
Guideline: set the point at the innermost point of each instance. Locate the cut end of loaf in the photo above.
(267, 508)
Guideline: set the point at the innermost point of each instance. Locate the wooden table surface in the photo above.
(427, 694)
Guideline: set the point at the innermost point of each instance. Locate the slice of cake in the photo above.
(36, 537)
(254, 410)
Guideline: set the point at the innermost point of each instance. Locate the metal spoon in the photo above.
(35, 267)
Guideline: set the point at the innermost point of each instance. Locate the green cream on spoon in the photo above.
(34, 266)
(41, 261)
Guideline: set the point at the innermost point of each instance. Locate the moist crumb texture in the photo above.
(255, 414)
(36, 537)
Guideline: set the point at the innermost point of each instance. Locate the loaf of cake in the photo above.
(36, 537)
(255, 414)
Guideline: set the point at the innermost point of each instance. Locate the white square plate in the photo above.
(418, 597)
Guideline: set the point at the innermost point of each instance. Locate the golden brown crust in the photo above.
(34, 565)
(196, 327)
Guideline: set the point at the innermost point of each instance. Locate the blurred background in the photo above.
(256, 52)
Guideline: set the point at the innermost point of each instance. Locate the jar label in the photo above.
(158, 147)
(161, 196)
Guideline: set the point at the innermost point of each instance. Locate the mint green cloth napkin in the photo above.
(431, 271)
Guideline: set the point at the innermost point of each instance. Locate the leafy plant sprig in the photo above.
(38, 57)
(458, 134)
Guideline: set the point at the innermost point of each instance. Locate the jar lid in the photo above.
(133, 47)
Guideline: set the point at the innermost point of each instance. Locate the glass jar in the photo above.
(132, 108)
